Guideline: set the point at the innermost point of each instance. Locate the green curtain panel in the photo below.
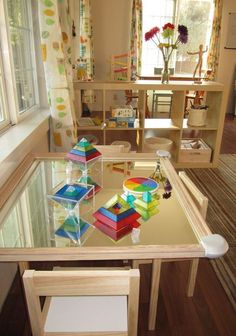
(136, 38)
(55, 30)
(214, 48)
(86, 38)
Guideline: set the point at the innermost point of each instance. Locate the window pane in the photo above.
(10, 232)
(2, 118)
(197, 16)
(155, 13)
(17, 12)
(21, 41)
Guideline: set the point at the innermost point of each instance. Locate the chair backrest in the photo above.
(79, 283)
(199, 199)
(158, 71)
(106, 149)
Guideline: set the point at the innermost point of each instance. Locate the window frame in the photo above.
(14, 115)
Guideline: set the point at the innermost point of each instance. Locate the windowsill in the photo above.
(13, 138)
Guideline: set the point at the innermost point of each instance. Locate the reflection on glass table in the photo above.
(163, 224)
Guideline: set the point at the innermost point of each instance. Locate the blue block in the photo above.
(118, 217)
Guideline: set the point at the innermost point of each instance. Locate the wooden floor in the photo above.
(207, 313)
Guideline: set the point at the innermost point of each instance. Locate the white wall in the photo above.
(227, 61)
(111, 28)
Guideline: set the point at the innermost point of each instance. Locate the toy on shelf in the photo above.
(198, 67)
(116, 218)
(121, 67)
(81, 69)
(122, 116)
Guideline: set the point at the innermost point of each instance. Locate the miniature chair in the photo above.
(130, 95)
(195, 97)
(83, 302)
(159, 99)
(202, 203)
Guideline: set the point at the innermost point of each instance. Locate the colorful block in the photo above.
(116, 225)
(70, 194)
(115, 234)
(146, 214)
(71, 229)
(83, 151)
(139, 185)
(146, 205)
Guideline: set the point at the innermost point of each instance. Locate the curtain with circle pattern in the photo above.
(56, 30)
(136, 38)
(214, 48)
(86, 38)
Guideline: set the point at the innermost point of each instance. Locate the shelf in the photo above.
(173, 127)
(123, 129)
(90, 128)
(160, 124)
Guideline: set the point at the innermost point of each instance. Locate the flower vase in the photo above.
(165, 74)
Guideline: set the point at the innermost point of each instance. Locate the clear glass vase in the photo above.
(165, 74)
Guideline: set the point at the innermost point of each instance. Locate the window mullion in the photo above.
(8, 76)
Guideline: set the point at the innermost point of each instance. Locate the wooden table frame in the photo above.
(13, 187)
(156, 252)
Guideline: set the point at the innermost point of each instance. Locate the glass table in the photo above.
(30, 219)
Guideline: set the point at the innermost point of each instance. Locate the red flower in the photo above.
(168, 25)
(151, 33)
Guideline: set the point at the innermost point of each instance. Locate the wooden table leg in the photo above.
(156, 272)
(192, 276)
(23, 265)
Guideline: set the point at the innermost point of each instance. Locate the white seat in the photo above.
(83, 301)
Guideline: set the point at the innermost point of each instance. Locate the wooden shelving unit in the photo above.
(174, 128)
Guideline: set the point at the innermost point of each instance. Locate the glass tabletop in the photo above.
(127, 203)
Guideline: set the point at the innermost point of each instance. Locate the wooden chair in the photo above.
(79, 302)
(195, 97)
(202, 203)
(130, 95)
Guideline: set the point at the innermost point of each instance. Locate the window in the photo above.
(197, 15)
(4, 118)
(18, 84)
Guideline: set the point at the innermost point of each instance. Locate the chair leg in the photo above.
(192, 276)
(23, 265)
(135, 263)
(156, 271)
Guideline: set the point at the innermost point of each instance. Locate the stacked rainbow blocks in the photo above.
(116, 218)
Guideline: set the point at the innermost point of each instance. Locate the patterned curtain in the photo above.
(214, 49)
(136, 37)
(86, 39)
(55, 30)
